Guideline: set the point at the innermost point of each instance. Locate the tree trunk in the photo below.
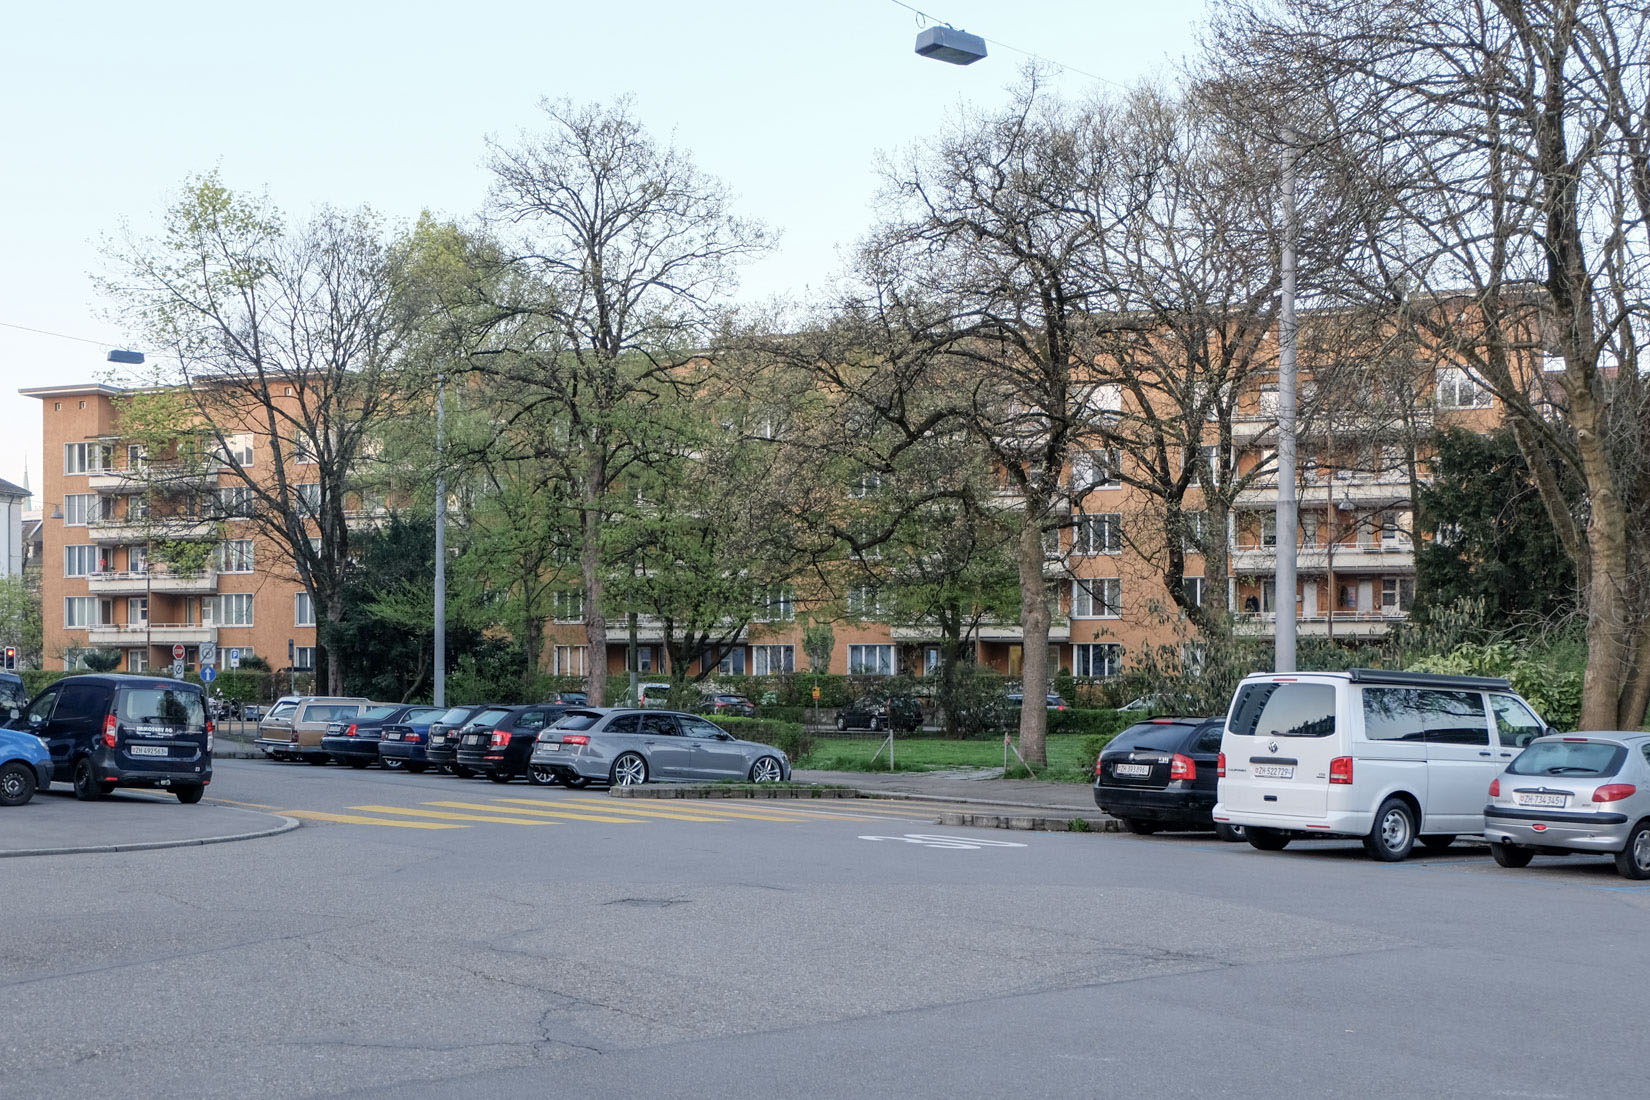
(328, 671)
(1034, 623)
(595, 620)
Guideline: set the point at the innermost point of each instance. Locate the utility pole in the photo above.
(440, 545)
(1288, 334)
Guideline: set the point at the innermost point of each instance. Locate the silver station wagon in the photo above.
(625, 746)
(1576, 792)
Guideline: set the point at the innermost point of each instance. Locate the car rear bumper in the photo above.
(582, 765)
(350, 748)
(1332, 823)
(485, 760)
(402, 750)
(1580, 832)
(1167, 804)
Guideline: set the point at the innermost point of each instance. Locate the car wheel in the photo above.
(189, 795)
(575, 782)
(841, 723)
(540, 777)
(767, 770)
(417, 767)
(87, 788)
(1507, 855)
(16, 783)
(628, 770)
(1137, 827)
(391, 763)
(1230, 832)
(1394, 833)
(1266, 840)
(499, 777)
(1437, 842)
(1633, 861)
(460, 770)
(357, 763)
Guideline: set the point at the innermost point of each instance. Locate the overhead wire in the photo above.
(1015, 49)
(59, 335)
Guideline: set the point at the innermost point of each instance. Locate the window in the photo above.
(309, 497)
(771, 660)
(1105, 399)
(79, 612)
(1097, 599)
(1099, 659)
(137, 609)
(1457, 390)
(1514, 723)
(303, 609)
(1269, 529)
(732, 662)
(774, 605)
(1284, 710)
(301, 450)
(1425, 714)
(864, 600)
(567, 606)
(79, 509)
(137, 559)
(1098, 534)
(234, 609)
(1100, 469)
(1194, 531)
(235, 500)
(87, 458)
(80, 561)
(234, 556)
(136, 456)
(236, 448)
(1397, 593)
(872, 660)
(644, 658)
(303, 657)
(1194, 590)
(930, 660)
(137, 660)
(568, 660)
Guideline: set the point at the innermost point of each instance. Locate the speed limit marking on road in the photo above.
(956, 843)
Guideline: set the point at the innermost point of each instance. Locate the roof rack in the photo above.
(1427, 679)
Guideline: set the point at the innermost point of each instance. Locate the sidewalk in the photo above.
(978, 786)
(54, 822)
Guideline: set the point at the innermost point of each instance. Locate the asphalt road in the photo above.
(560, 944)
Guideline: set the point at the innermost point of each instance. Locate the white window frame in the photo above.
(864, 601)
(243, 615)
(1195, 588)
(87, 458)
(1097, 469)
(1097, 598)
(1456, 389)
(871, 660)
(772, 660)
(1098, 533)
(80, 612)
(237, 447)
(569, 660)
(1097, 660)
(303, 658)
(567, 605)
(235, 556)
(732, 662)
(303, 609)
(81, 561)
(775, 605)
(79, 509)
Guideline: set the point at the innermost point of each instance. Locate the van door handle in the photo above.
(1483, 754)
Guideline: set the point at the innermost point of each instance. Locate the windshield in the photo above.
(161, 706)
(12, 694)
(1577, 758)
(577, 720)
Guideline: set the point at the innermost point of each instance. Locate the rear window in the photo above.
(330, 712)
(1562, 758)
(12, 694)
(577, 720)
(456, 714)
(373, 714)
(282, 710)
(1152, 736)
(488, 717)
(160, 706)
(1284, 710)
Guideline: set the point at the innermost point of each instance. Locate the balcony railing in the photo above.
(1340, 624)
(158, 582)
(131, 634)
(111, 532)
(1390, 555)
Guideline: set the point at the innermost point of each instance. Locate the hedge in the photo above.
(788, 737)
(1094, 722)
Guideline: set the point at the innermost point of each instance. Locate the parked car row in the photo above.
(1394, 759)
(543, 743)
(100, 732)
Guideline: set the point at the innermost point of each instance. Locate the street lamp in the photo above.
(951, 45)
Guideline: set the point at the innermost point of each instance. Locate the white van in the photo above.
(1390, 757)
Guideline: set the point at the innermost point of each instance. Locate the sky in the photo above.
(112, 106)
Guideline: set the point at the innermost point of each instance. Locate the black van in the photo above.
(108, 731)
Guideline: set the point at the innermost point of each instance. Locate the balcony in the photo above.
(162, 476)
(1390, 556)
(121, 635)
(153, 583)
(1344, 624)
(1375, 421)
(118, 532)
(1357, 490)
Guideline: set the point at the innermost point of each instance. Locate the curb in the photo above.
(287, 824)
(1035, 824)
(734, 792)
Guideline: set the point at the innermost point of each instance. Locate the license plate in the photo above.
(1273, 771)
(1543, 799)
(147, 750)
(551, 746)
(438, 739)
(473, 739)
(1131, 769)
(392, 737)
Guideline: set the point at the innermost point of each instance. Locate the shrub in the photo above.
(1098, 722)
(35, 679)
(788, 737)
(1551, 684)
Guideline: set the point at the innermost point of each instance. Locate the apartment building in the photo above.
(142, 554)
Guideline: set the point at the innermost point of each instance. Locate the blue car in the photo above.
(25, 764)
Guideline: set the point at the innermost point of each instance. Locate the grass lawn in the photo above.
(1070, 756)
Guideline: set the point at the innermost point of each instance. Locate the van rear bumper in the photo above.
(1333, 823)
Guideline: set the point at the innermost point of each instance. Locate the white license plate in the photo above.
(147, 750)
(392, 737)
(1131, 769)
(473, 739)
(1543, 799)
(552, 746)
(1273, 771)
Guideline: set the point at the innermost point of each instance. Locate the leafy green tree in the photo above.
(20, 619)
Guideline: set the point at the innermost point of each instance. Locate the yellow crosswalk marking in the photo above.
(496, 817)
(571, 815)
(679, 813)
(348, 819)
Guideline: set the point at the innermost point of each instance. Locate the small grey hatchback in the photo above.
(622, 746)
(1577, 792)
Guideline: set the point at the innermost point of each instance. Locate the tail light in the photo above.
(1097, 765)
(1495, 788)
(1340, 770)
(209, 729)
(1220, 766)
(414, 736)
(350, 732)
(574, 739)
(1614, 792)
(294, 737)
(109, 730)
(1182, 767)
(501, 739)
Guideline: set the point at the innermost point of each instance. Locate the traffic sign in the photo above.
(234, 658)
(177, 652)
(208, 674)
(208, 653)
(177, 668)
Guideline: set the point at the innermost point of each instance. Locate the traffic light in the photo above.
(11, 657)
